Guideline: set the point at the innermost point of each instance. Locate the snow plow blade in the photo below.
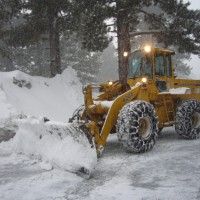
(63, 145)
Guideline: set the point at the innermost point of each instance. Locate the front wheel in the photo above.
(137, 126)
(188, 119)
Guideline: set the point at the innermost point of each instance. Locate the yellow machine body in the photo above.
(157, 85)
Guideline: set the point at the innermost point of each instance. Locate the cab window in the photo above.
(148, 66)
(168, 66)
(140, 64)
(135, 65)
(159, 65)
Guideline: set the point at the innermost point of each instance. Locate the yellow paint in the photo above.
(103, 119)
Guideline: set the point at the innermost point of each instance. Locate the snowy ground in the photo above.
(169, 171)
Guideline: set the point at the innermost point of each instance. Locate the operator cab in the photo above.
(140, 64)
(154, 64)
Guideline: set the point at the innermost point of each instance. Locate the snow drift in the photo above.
(22, 95)
(55, 98)
(56, 143)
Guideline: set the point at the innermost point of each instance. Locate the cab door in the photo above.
(163, 71)
(168, 71)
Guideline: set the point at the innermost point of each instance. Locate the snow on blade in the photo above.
(55, 142)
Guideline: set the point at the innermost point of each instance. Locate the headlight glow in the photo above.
(147, 49)
(110, 82)
(125, 54)
(144, 80)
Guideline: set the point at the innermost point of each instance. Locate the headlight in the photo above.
(144, 83)
(125, 54)
(147, 49)
(110, 82)
(144, 80)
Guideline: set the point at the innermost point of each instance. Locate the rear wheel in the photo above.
(137, 126)
(188, 119)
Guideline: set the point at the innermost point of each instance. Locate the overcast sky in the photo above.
(195, 4)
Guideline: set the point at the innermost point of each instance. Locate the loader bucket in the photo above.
(63, 145)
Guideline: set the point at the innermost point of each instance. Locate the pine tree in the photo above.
(43, 18)
(182, 69)
(87, 64)
(108, 70)
(9, 10)
(34, 59)
(173, 25)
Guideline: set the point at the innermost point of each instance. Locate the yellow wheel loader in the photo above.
(154, 98)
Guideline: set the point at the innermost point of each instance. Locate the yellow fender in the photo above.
(113, 112)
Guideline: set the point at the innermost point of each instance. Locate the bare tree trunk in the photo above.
(123, 44)
(54, 38)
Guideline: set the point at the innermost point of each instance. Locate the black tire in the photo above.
(137, 126)
(188, 119)
(76, 116)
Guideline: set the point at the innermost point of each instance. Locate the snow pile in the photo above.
(55, 98)
(6, 109)
(55, 143)
(52, 143)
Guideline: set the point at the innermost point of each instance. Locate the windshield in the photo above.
(140, 64)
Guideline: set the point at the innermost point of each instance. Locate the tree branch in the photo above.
(110, 24)
(133, 34)
(153, 17)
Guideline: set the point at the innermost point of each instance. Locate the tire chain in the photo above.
(183, 125)
(128, 126)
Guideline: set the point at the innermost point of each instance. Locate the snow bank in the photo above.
(55, 98)
(6, 109)
(55, 143)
